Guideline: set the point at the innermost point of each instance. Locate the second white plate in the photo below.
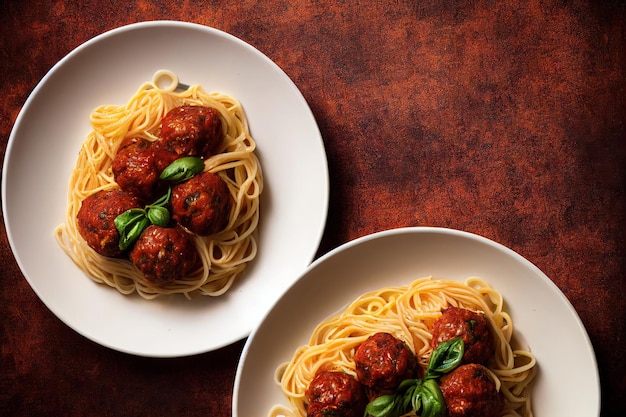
(541, 314)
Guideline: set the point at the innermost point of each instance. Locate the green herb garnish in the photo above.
(182, 169)
(132, 222)
(421, 395)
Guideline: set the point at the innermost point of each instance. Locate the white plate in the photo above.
(42, 151)
(541, 313)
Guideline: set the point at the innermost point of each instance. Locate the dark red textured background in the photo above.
(501, 118)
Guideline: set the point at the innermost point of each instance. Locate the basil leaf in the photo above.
(412, 398)
(421, 396)
(131, 223)
(182, 169)
(157, 213)
(159, 216)
(433, 403)
(416, 399)
(129, 216)
(130, 226)
(381, 406)
(446, 356)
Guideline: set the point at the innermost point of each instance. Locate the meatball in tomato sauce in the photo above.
(470, 391)
(191, 131)
(473, 327)
(202, 204)
(96, 219)
(383, 361)
(136, 167)
(337, 394)
(164, 254)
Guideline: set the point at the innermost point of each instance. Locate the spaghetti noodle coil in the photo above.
(224, 255)
(408, 313)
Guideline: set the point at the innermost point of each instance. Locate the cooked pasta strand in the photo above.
(408, 313)
(224, 255)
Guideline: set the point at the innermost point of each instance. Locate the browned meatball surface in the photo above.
(335, 394)
(472, 327)
(135, 168)
(164, 254)
(383, 361)
(469, 391)
(96, 216)
(191, 131)
(202, 204)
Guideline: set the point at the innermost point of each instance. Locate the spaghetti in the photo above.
(224, 255)
(408, 313)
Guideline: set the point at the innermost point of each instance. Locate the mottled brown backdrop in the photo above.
(502, 118)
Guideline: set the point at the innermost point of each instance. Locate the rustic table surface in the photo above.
(501, 118)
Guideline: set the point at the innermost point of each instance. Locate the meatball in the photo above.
(96, 219)
(472, 326)
(136, 168)
(383, 361)
(337, 394)
(202, 204)
(164, 254)
(470, 391)
(191, 131)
